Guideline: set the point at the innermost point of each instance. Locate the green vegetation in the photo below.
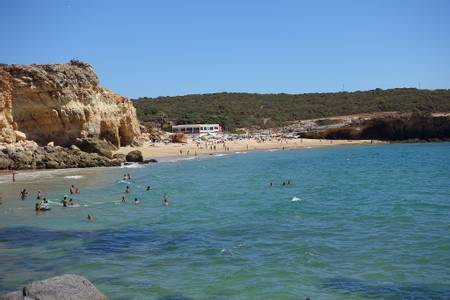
(235, 110)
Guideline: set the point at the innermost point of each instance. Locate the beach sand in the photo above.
(159, 150)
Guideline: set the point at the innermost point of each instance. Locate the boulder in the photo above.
(51, 144)
(94, 145)
(134, 156)
(65, 287)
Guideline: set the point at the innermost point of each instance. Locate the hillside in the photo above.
(235, 110)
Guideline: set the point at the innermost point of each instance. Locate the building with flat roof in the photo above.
(197, 128)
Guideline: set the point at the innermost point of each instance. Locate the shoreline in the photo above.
(191, 150)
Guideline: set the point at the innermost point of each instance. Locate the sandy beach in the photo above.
(190, 148)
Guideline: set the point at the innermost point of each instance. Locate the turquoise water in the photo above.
(366, 222)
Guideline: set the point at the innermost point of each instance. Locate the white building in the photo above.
(197, 128)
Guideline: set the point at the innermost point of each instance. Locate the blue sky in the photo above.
(168, 47)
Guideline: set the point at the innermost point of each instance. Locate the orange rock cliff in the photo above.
(62, 102)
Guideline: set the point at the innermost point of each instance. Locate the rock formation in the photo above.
(73, 287)
(60, 103)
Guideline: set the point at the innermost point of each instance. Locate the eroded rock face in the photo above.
(60, 103)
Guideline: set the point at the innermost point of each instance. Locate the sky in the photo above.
(169, 47)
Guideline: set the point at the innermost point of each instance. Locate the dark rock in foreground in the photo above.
(65, 287)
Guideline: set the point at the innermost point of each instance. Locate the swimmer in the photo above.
(288, 182)
(23, 194)
(90, 217)
(165, 200)
(128, 176)
(148, 188)
(270, 184)
(124, 177)
(127, 190)
(136, 201)
(284, 183)
(39, 195)
(124, 199)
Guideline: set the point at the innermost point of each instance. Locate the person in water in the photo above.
(65, 202)
(127, 190)
(270, 184)
(71, 202)
(136, 201)
(90, 217)
(39, 195)
(166, 200)
(128, 176)
(72, 189)
(148, 188)
(284, 183)
(288, 182)
(124, 199)
(23, 194)
(124, 177)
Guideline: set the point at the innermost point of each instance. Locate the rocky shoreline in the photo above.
(85, 153)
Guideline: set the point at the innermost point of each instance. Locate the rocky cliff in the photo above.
(60, 103)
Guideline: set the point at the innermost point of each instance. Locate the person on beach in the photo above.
(39, 195)
(124, 199)
(23, 194)
(90, 218)
(127, 189)
(14, 176)
(136, 201)
(165, 200)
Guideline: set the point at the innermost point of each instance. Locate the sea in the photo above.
(349, 222)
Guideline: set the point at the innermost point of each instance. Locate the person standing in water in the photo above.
(90, 218)
(165, 200)
(39, 195)
(23, 194)
(72, 189)
(127, 190)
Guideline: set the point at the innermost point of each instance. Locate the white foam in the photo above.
(74, 176)
(308, 147)
(131, 166)
(220, 155)
(295, 199)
